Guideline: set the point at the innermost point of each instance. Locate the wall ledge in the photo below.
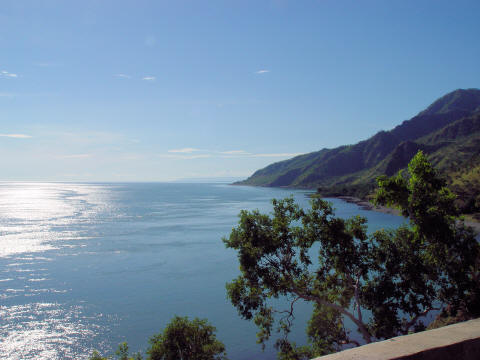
(454, 342)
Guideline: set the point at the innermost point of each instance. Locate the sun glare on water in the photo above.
(39, 221)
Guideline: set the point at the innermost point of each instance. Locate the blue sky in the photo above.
(160, 90)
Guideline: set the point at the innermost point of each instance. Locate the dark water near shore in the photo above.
(86, 266)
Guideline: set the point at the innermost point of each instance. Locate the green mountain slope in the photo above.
(448, 130)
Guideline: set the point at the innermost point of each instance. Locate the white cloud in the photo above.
(75, 156)
(184, 150)
(123, 76)
(277, 155)
(187, 153)
(149, 78)
(16, 136)
(235, 152)
(263, 71)
(184, 157)
(7, 74)
(222, 154)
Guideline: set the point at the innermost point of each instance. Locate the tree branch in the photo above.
(415, 319)
(361, 325)
(356, 295)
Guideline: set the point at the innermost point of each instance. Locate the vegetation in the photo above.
(186, 340)
(182, 339)
(385, 283)
(448, 131)
(465, 182)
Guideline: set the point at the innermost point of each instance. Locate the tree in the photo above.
(183, 339)
(96, 356)
(384, 282)
(447, 248)
(121, 352)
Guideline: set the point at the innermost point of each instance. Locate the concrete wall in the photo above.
(455, 342)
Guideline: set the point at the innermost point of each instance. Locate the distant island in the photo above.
(448, 131)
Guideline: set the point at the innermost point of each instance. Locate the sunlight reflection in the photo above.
(43, 331)
(29, 212)
(36, 218)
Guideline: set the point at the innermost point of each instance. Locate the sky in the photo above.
(161, 90)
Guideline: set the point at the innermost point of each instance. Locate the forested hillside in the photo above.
(448, 131)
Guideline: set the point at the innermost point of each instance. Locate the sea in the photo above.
(90, 265)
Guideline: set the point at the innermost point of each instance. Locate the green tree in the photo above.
(384, 283)
(185, 339)
(96, 356)
(121, 352)
(445, 247)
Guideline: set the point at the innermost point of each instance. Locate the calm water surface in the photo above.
(87, 266)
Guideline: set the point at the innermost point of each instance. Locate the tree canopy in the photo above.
(185, 339)
(182, 339)
(383, 282)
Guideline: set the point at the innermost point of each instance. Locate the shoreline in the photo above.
(366, 205)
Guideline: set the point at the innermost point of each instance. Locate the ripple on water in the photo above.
(37, 219)
(45, 331)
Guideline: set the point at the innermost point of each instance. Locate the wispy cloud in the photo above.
(187, 153)
(184, 150)
(277, 155)
(122, 76)
(263, 71)
(16, 136)
(243, 153)
(235, 152)
(7, 74)
(75, 156)
(149, 78)
(184, 157)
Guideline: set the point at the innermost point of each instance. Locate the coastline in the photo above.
(366, 205)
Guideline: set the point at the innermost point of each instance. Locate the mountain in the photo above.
(448, 131)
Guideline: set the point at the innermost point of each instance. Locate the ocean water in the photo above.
(87, 266)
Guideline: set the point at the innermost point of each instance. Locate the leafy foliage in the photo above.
(385, 283)
(185, 339)
(447, 249)
(121, 352)
(275, 260)
(96, 356)
(182, 339)
(465, 182)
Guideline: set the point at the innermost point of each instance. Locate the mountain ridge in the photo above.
(448, 131)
